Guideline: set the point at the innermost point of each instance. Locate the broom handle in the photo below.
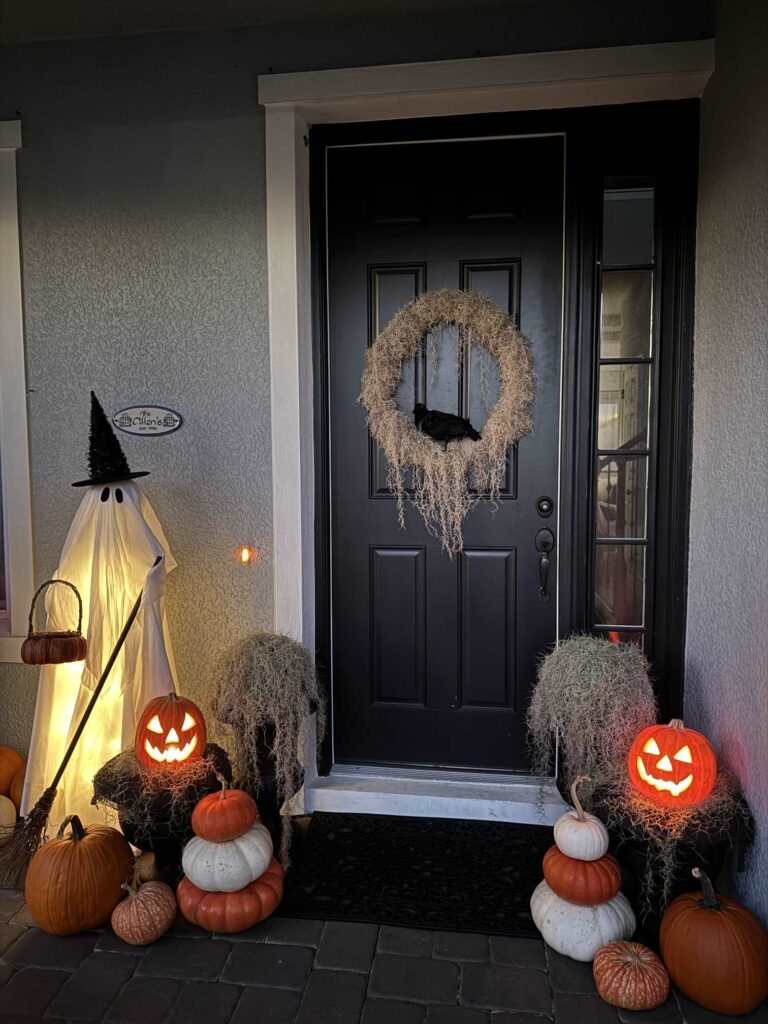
(100, 685)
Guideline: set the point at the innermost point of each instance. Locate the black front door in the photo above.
(433, 658)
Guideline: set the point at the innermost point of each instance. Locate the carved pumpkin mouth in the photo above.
(675, 788)
(171, 754)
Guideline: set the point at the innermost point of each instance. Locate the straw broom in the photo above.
(18, 848)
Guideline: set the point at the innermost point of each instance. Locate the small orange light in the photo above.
(246, 554)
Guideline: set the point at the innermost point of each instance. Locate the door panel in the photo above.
(433, 658)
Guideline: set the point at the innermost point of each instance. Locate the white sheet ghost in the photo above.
(109, 551)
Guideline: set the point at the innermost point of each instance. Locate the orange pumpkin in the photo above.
(220, 817)
(715, 950)
(672, 765)
(585, 882)
(10, 762)
(75, 881)
(17, 786)
(630, 976)
(171, 730)
(232, 911)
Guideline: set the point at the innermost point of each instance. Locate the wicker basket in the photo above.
(54, 648)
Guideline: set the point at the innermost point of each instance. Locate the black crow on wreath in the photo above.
(443, 426)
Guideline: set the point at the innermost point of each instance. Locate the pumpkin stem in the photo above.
(224, 784)
(676, 723)
(710, 901)
(77, 833)
(130, 888)
(574, 796)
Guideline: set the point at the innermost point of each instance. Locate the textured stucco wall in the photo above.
(726, 689)
(142, 201)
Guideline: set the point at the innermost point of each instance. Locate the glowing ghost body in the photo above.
(111, 546)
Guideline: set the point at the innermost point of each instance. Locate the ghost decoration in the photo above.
(108, 555)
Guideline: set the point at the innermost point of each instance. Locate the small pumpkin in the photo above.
(17, 787)
(145, 914)
(672, 765)
(585, 882)
(232, 911)
(578, 932)
(10, 762)
(715, 950)
(220, 817)
(578, 834)
(146, 869)
(171, 731)
(74, 881)
(54, 647)
(7, 815)
(630, 976)
(227, 867)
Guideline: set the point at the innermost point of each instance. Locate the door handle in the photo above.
(545, 545)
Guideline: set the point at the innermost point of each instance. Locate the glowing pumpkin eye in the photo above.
(684, 754)
(651, 747)
(188, 723)
(154, 725)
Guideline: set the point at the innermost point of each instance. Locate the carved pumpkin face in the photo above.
(672, 765)
(171, 731)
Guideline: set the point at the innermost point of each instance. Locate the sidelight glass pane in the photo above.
(625, 314)
(622, 421)
(619, 584)
(621, 492)
(627, 226)
(623, 636)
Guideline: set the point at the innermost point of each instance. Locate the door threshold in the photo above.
(426, 793)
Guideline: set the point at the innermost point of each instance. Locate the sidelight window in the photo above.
(624, 412)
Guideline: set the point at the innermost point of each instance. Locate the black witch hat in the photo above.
(106, 462)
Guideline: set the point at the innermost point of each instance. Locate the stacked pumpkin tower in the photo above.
(231, 879)
(578, 908)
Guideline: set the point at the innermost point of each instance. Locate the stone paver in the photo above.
(187, 959)
(94, 986)
(346, 946)
(204, 1002)
(8, 935)
(455, 1015)
(332, 997)
(414, 980)
(404, 941)
(266, 1006)
(295, 932)
(144, 1001)
(518, 952)
(257, 963)
(694, 1014)
(505, 988)
(578, 1009)
(31, 989)
(10, 902)
(37, 949)
(507, 1017)
(391, 1011)
(667, 1013)
(460, 946)
(108, 942)
(568, 975)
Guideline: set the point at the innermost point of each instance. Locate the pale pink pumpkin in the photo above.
(145, 914)
(630, 976)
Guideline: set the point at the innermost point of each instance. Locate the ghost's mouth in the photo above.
(675, 788)
(170, 754)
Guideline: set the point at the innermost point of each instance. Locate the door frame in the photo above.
(294, 103)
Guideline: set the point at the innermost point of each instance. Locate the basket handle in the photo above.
(39, 591)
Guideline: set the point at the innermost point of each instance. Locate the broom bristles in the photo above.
(18, 848)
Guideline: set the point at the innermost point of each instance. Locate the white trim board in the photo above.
(293, 102)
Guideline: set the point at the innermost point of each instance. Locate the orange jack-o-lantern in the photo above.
(672, 765)
(171, 731)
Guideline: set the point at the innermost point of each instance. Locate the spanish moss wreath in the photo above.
(448, 483)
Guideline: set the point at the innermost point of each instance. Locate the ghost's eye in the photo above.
(118, 496)
(651, 747)
(105, 494)
(188, 722)
(684, 754)
(154, 725)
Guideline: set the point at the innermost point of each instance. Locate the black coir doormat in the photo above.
(419, 872)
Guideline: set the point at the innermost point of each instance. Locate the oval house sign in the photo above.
(147, 420)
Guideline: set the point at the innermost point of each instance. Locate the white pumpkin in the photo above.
(578, 834)
(7, 815)
(226, 867)
(576, 931)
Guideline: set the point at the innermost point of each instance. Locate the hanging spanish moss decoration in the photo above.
(447, 480)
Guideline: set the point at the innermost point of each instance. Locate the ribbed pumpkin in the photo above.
(578, 932)
(17, 786)
(585, 882)
(222, 816)
(232, 911)
(74, 881)
(10, 762)
(715, 950)
(227, 867)
(630, 976)
(578, 834)
(145, 914)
